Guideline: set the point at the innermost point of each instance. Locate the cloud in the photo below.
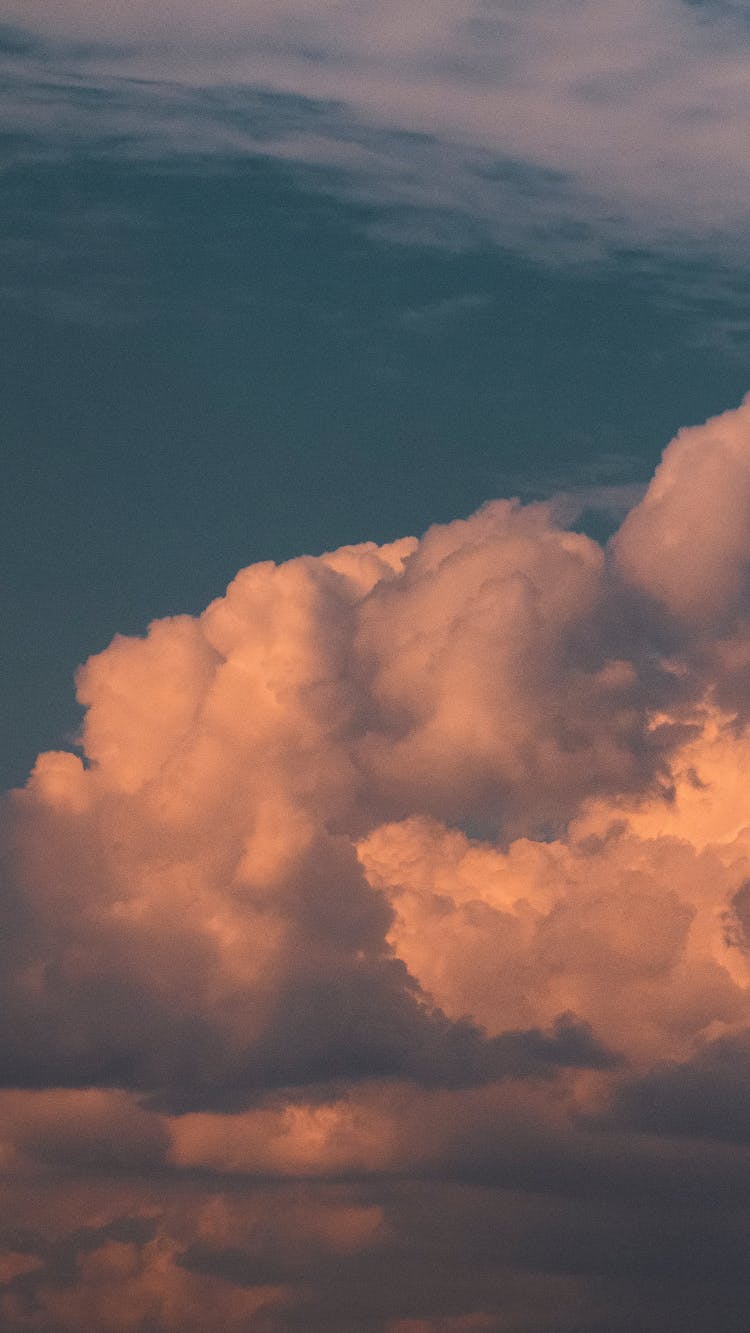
(592, 126)
(685, 543)
(394, 920)
(706, 1097)
(228, 940)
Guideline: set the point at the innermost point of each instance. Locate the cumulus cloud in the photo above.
(229, 939)
(686, 542)
(394, 919)
(602, 122)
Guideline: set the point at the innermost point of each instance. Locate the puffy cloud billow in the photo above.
(382, 964)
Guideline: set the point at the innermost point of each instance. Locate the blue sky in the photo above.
(291, 276)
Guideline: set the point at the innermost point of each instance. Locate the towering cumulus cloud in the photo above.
(383, 964)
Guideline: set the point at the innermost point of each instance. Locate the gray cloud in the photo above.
(707, 1097)
(616, 126)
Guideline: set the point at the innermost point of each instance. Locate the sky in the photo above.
(375, 722)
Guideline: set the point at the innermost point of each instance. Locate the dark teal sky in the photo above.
(211, 359)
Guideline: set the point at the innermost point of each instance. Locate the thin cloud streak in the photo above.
(597, 126)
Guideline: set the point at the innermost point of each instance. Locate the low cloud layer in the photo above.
(602, 124)
(382, 962)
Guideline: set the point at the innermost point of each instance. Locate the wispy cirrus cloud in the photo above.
(592, 126)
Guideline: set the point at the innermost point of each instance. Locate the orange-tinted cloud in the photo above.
(397, 907)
